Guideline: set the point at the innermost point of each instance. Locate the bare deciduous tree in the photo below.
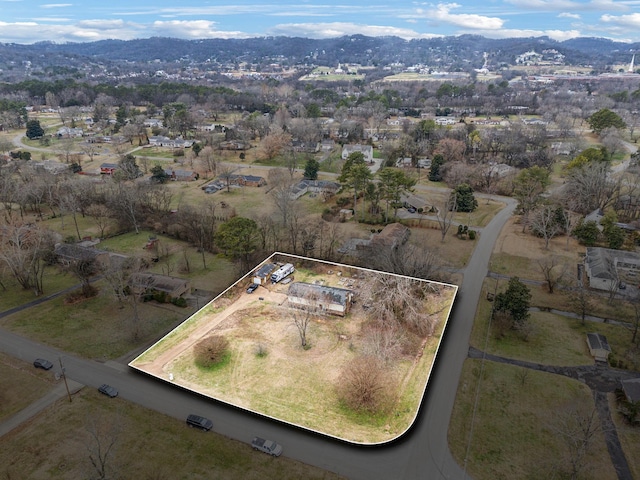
(25, 249)
(101, 216)
(553, 269)
(102, 439)
(365, 385)
(578, 428)
(544, 222)
(445, 214)
(580, 299)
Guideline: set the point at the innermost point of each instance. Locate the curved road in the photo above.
(423, 453)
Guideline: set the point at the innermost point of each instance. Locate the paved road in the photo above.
(422, 454)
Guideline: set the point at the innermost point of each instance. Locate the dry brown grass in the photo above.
(280, 381)
(513, 427)
(20, 384)
(149, 445)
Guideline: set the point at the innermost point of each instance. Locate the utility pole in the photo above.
(64, 377)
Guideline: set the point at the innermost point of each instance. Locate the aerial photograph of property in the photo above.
(321, 240)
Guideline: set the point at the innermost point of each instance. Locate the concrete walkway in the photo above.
(27, 413)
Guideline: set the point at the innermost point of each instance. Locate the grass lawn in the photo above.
(148, 445)
(53, 281)
(629, 437)
(20, 384)
(96, 328)
(516, 425)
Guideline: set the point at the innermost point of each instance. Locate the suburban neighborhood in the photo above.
(426, 270)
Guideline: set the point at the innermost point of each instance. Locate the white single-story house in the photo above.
(606, 267)
(320, 298)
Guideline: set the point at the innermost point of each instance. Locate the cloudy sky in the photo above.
(29, 21)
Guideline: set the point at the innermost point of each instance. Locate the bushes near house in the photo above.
(211, 351)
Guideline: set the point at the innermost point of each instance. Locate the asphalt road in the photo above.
(422, 453)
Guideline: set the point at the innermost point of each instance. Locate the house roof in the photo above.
(392, 235)
(71, 251)
(265, 270)
(156, 281)
(335, 295)
(109, 165)
(598, 341)
(179, 173)
(602, 262)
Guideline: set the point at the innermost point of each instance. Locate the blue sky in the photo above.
(29, 21)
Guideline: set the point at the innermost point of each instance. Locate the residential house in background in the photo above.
(68, 132)
(108, 168)
(68, 253)
(149, 282)
(182, 175)
(366, 150)
(606, 268)
(322, 187)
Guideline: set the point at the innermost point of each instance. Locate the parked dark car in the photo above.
(108, 390)
(252, 288)
(43, 364)
(199, 422)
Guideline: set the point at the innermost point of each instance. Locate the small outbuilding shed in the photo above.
(598, 346)
(261, 276)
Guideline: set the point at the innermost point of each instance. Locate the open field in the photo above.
(516, 426)
(20, 384)
(98, 327)
(281, 383)
(514, 409)
(147, 445)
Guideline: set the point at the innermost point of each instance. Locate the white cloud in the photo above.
(555, 5)
(338, 29)
(625, 21)
(465, 20)
(102, 24)
(194, 29)
(31, 32)
(559, 35)
(569, 15)
(56, 5)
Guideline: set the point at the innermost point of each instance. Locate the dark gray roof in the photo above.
(335, 295)
(71, 251)
(265, 270)
(598, 342)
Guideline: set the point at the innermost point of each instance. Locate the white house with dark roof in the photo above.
(606, 267)
(320, 298)
(366, 150)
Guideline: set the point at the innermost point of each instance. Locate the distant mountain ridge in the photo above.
(373, 51)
